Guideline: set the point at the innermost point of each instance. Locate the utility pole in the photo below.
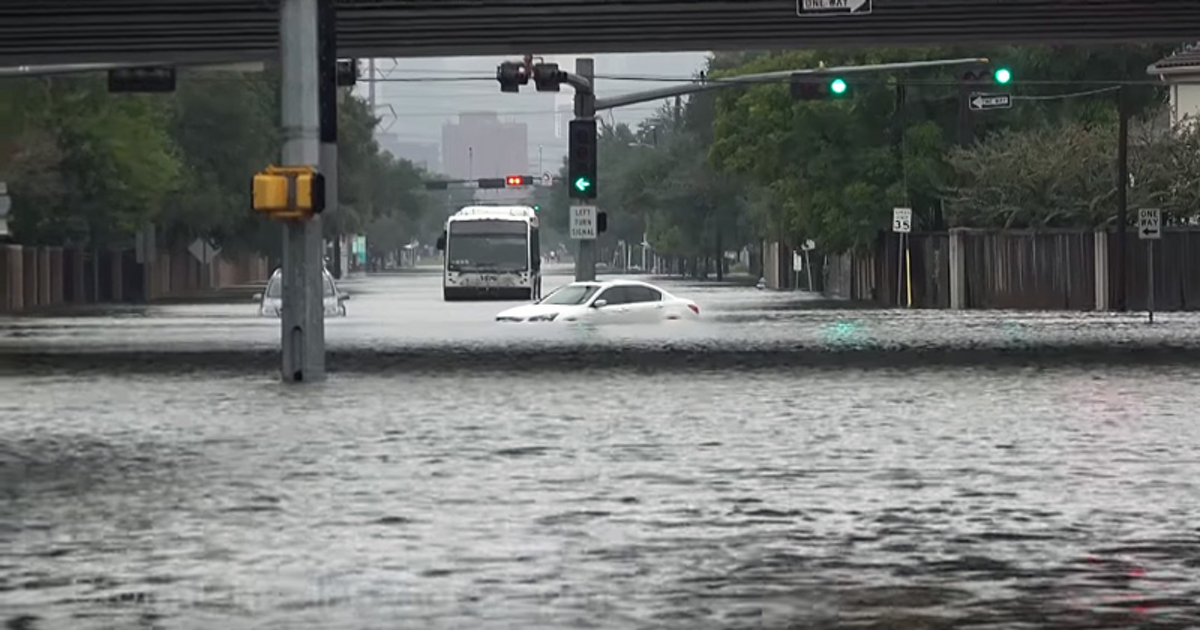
(371, 84)
(303, 316)
(1122, 195)
(585, 109)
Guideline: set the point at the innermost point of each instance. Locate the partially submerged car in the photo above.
(271, 300)
(613, 301)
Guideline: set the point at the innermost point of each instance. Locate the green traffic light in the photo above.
(537, 208)
(838, 86)
(1002, 75)
(582, 184)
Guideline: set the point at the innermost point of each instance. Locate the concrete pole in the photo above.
(303, 318)
(585, 109)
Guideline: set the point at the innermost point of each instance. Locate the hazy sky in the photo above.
(422, 107)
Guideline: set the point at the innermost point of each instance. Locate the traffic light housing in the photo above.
(547, 77)
(601, 222)
(289, 193)
(492, 182)
(347, 72)
(816, 87)
(517, 180)
(984, 74)
(581, 160)
(512, 76)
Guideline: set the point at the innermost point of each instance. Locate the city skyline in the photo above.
(416, 97)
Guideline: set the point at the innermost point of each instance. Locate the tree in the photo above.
(832, 171)
(1064, 176)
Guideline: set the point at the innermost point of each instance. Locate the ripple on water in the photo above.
(923, 498)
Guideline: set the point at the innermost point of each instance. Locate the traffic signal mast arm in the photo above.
(703, 85)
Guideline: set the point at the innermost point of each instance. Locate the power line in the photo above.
(1055, 97)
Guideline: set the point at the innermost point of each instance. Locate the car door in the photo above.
(645, 304)
(616, 307)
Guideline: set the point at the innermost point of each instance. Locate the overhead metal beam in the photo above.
(215, 31)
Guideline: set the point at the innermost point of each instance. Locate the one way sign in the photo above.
(1149, 224)
(981, 102)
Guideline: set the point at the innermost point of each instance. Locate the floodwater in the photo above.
(454, 472)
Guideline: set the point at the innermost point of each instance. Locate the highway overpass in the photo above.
(199, 31)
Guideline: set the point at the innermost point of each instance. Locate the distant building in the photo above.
(423, 154)
(1181, 72)
(481, 145)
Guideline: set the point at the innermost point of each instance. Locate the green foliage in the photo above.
(833, 170)
(88, 167)
(1063, 176)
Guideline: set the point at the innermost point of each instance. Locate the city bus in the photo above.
(491, 253)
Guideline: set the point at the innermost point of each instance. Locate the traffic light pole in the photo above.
(585, 109)
(704, 85)
(586, 106)
(303, 316)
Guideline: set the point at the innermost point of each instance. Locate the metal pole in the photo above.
(966, 129)
(808, 267)
(900, 269)
(327, 72)
(1122, 196)
(303, 318)
(1150, 280)
(371, 83)
(585, 109)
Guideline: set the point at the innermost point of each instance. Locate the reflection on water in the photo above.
(927, 498)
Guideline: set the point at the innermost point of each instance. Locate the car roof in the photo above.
(279, 271)
(617, 282)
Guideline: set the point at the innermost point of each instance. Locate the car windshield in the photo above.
(275, 287)
(571, 295)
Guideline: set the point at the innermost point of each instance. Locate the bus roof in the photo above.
(510, 213)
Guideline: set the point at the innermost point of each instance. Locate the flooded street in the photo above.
(780, 464)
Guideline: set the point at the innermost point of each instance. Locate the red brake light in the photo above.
(695, 309)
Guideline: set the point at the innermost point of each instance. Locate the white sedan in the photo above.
(613, 301)
(271, 300)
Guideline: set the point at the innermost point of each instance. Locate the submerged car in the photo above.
(271, 300)
(614, 301)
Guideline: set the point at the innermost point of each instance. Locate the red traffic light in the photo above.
(517, 180)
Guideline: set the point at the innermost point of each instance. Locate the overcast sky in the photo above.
(422, 107)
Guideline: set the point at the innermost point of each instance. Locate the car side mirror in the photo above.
(257, 297)
(441, 243)
(343, 297)
(599, 303)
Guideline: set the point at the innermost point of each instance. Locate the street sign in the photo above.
(809, 245)
(547, 179)
(583, 223)
(983, 102)
(203, 251)
(902, 220)
(1149, 224)
(797, 261)
(833, 7)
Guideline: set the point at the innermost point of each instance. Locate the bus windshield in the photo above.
(487, 245)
